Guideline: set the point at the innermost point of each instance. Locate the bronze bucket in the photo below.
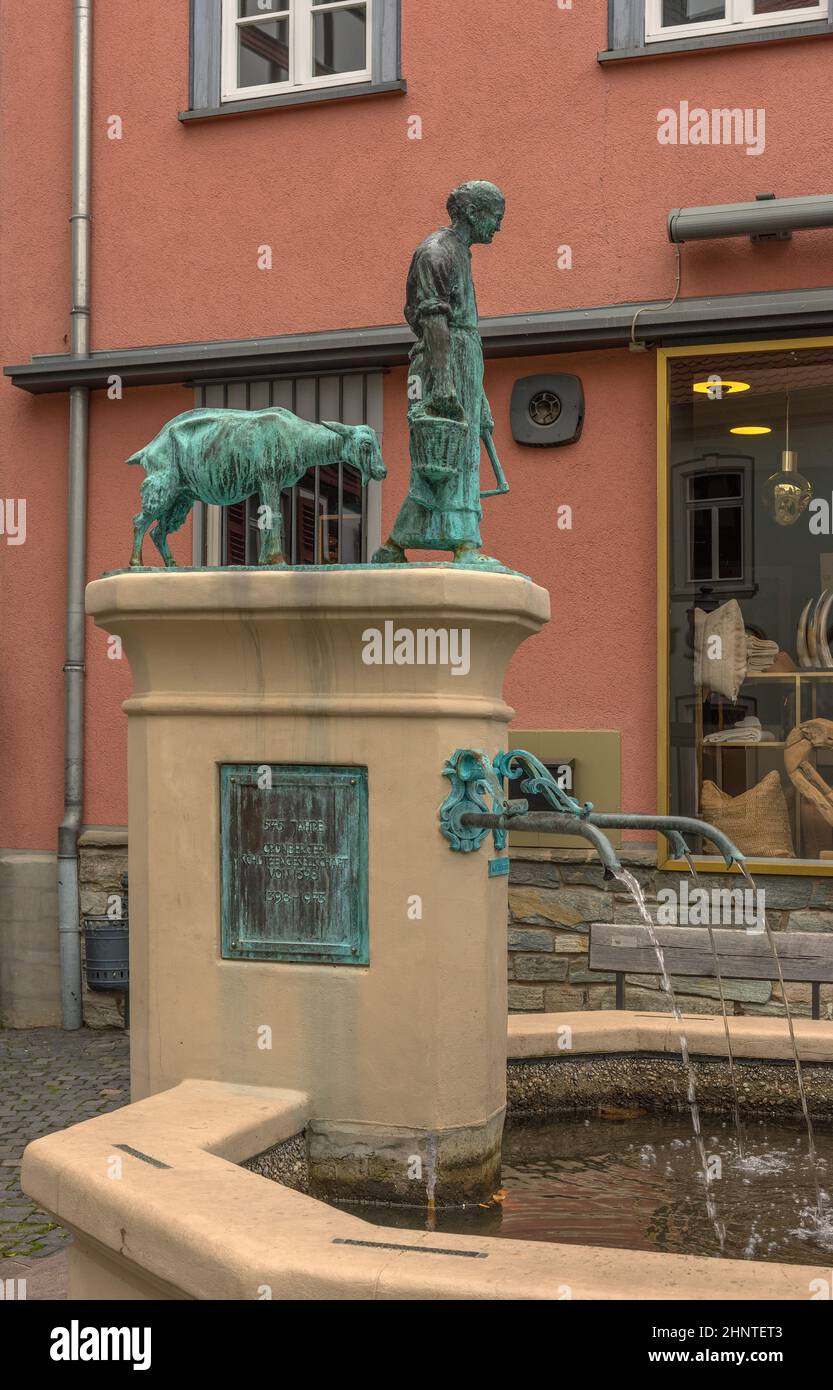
(438, 447)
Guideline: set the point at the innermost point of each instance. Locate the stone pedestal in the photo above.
(404, 1058)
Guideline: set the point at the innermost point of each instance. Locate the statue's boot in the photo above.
(470, 557)
(389, 554)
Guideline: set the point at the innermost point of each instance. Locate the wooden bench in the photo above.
(743, 955)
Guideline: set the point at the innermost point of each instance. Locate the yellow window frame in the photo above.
(664, 356)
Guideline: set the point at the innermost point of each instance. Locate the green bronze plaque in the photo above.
(294, 863)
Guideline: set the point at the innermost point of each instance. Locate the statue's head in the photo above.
(360, 448)
(479, 206)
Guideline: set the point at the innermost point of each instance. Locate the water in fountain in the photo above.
(633, 887)
(823, 1217)
(735, 1093)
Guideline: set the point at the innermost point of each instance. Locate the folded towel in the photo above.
(741, 736)
(746, 730)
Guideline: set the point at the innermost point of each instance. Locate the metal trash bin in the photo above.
(105, 941)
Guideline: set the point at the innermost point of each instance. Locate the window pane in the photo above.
(264, 53)
(235, 534)
(305, 524)
(730, 543)
(700, 523)
(247, 9)
(340, 40)
(351, 524)
(328, 515)
(705, 486)
(691, 11)
(775, 6)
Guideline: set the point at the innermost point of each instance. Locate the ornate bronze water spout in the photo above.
(477, 803)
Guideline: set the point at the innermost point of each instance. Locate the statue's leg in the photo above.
(141, 522)
(176, 510)
(159, 536)
(271, 540)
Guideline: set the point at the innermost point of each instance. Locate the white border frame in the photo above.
(740, 15)
(299, 13)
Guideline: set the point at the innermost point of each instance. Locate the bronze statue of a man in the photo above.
(448, 413)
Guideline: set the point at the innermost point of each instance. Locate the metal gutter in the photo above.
(768, 216)
(712, 318)
(69, 926)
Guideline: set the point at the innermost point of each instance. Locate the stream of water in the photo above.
(822, 1215)
(811, 1143)
(635, 890)
(726, 1031)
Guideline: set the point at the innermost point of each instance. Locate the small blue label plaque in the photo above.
(498, 867)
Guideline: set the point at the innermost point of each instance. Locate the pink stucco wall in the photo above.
(342, 195)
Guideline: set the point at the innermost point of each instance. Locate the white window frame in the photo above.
(739, 15)
(301, 76)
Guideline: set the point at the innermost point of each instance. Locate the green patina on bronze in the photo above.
(294, 863)
(448, 414)
(224, 456)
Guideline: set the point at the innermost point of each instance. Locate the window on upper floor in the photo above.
(273, 46)
(646, 28)
(676, 19)
(247, 55)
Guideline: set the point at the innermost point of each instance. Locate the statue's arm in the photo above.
(487, 422)
(441, 398)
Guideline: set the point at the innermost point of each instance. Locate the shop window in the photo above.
(749, 598)
(251, 53)
(328, 518)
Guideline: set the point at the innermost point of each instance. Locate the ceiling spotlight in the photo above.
(716, 388)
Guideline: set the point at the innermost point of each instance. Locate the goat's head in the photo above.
(360, 448)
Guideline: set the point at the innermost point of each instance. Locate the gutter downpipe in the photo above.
(69, 926)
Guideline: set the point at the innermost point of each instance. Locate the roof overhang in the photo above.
(715, 318)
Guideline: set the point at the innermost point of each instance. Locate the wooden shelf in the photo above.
(802, 675)
(745, 743)
(812, 679)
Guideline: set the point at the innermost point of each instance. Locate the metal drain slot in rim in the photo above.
(415, 1249)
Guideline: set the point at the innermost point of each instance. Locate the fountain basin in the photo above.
(186, 1220)
(627, 1058)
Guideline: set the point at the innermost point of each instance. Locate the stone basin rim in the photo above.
(157, 1232)
(337, 592)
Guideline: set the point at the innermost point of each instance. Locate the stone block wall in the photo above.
(554, 895)
(30, 978)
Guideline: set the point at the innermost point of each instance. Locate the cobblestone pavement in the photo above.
(49, 1079)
